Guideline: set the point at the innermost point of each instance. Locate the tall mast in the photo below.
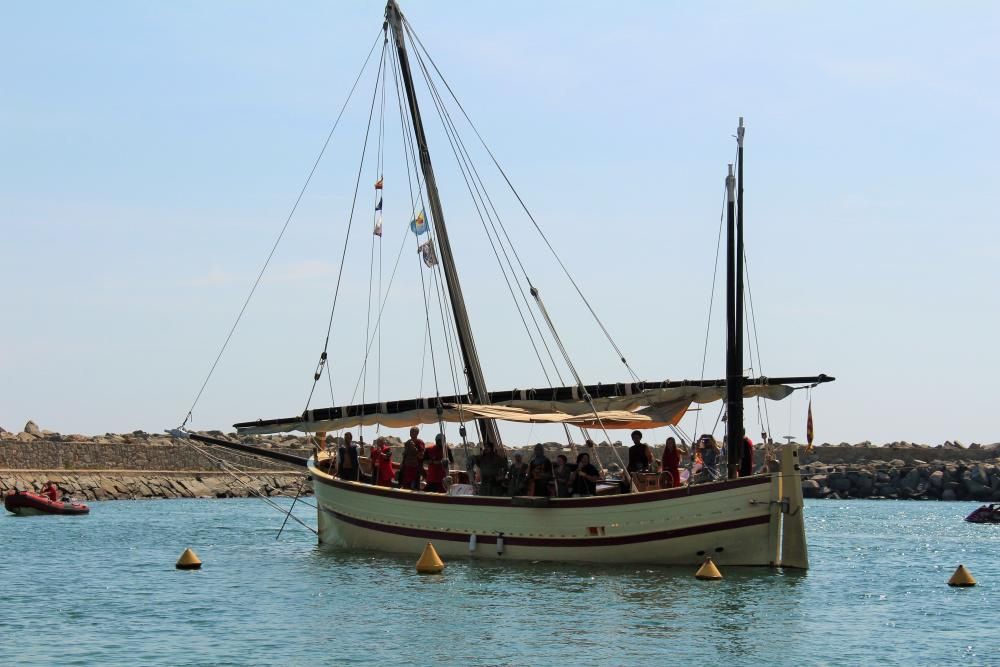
(735, 413)
(734, 384)
(473, 370)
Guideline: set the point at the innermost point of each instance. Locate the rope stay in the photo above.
(415, 39)
(228, 467)
(347, 236)
(376, 234)
(490, 220)
(480, 197)
(281, 234)
(711, 305)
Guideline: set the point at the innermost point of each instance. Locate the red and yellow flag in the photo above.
(378, 184)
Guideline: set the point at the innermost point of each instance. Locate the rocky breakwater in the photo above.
(144, 465)
(882, 474)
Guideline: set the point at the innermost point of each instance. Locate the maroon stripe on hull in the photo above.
(593, 501)
(555, 541)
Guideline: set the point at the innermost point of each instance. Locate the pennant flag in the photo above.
(809, 427)
(378, 183)
(378, 225)
(378, 206)
(426, 250)
(419, 224)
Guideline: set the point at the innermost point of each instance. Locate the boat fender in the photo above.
(500, 544)
(472, 542)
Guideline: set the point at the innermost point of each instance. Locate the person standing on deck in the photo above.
(710, 455)
(382, 463)
(437, 464)
(347, 459)
(492, 471)
(412, 468)
(672, 463)
(517, 477)
(640, 456)
(539, 473)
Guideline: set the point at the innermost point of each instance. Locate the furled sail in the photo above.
(645, 408)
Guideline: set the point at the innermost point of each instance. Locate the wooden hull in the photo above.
(751, 521)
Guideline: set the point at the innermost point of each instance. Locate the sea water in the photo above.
(103, 590)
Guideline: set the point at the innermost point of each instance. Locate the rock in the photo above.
(975, 445)
(865, 483)
(910, 480)
(25, 437)
(810, 488)
(980, 474)
(841, 484)
(32, 428)
(948, 494)
(936, 479)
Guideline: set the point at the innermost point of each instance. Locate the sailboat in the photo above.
(754, 520)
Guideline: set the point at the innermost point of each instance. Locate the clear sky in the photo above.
(150, 152)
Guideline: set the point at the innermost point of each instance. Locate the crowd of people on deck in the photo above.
(427, 467)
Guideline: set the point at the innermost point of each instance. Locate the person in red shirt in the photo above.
(412, 468)
(52, 491)
(671, 463)
(382, 462)
(437, 464)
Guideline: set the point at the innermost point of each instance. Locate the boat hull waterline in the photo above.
(753, 521)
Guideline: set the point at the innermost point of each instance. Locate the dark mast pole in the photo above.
(473, 371)
(736, 415)
(734, 386)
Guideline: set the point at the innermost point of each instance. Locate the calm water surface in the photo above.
(102, 590)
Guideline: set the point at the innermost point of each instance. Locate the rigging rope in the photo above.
(484, 204)
(225, 466)
(416, 40)
(562, 348)
(480, 197)
(281, 234)
(711, 304)
(350, 222)
(376, 233)
(756, 338)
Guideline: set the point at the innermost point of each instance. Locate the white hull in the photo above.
(751, 521)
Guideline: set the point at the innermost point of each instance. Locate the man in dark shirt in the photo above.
(640, 457)
(347, 459)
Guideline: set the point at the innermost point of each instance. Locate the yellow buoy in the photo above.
(188, 561)
(429, 561)
(708, 571)
(962, 577)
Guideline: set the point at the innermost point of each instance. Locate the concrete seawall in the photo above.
(138, 484)
(140, 465)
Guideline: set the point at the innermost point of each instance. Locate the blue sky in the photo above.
(151, 151)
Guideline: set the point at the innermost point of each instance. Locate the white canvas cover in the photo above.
(652, 408)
